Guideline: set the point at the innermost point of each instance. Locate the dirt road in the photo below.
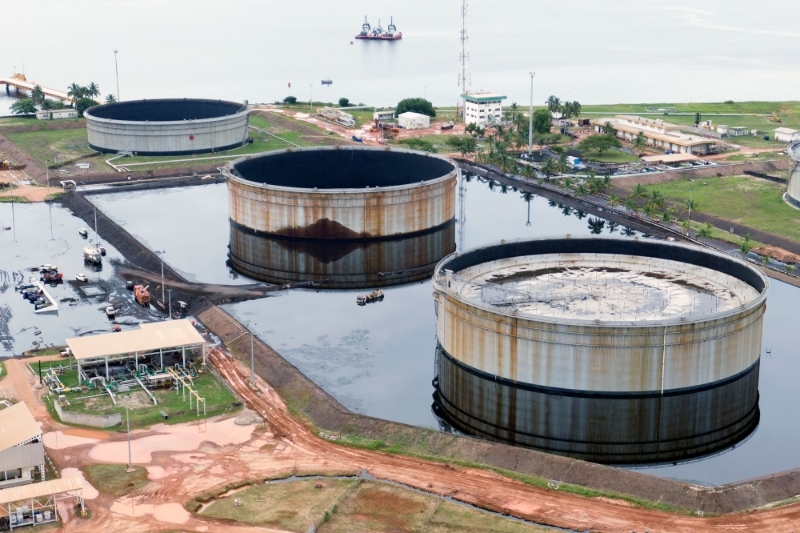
(482, 488)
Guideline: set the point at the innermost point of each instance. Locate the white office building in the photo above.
(482, 107)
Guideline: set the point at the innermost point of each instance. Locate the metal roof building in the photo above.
(36, 504)
(148, 340)
(21, 448)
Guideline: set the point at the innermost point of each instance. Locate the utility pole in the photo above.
(159, 252)
(49, 200)
(170, 302)
(116, 67)
(530, 120)
(311, 98)
(464, 58)
(252, 361)
(128, 422)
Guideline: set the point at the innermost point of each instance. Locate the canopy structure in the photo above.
(35, 504)
(149, 339)
(670, 158)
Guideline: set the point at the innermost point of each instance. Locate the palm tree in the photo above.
(549, 167)
(76, 92)
(581, 190)
(504, 188)
(514, 107)
(640, 142)
(746, 244)
(614, 201)
(649, 210)
(553, 104)
(666, 216)
(567, 183)
(612, 227)
(37, 94)
(705, 231)
(686, 225)
(609, 129)
(631, 205)
(789, 268)
(639, 191)
(690, 205)
(656, 199)
(93, 90)
(596, 225)
(110, 99)
(562, 164)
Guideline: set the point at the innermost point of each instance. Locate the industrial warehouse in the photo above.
(21, 448)
(606, 350)
(167, 126)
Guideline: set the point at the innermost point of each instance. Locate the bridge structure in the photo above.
(20, 82)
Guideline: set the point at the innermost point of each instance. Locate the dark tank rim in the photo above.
(165, 110)
(320, 169)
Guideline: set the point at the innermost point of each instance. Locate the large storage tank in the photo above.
(167, 126)
(352, 217)
(610, 350)
(793, 191)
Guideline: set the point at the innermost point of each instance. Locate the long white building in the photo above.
(21, 447)
(658, 133)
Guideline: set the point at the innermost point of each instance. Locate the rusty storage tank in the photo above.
(350, 216)
(172, 126)
(793, 191)
(609, 350)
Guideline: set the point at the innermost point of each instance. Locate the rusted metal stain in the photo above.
(337, 263)
(371, 212)
(602, 428)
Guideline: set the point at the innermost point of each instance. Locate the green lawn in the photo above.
(289, 505)
(143, 413)
(67, 145)
(114, 480)
(33, 121)
(610, 156)
(2, 371)
(749, 201)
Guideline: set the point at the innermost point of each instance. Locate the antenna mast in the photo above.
(464, 58)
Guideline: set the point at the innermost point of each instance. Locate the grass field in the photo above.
(380, 507)
(33, 121)
(750, 201)
(113, 480)
(66, 145)
(2, 371)
(290, 505)
(143, 413)
(345, 505)
(610, 156)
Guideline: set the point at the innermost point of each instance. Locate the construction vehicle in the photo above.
(52, 276)
(141, 295)
(92, 255)
(6, 165)
(775, 118)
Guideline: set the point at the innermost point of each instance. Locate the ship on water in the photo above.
(377, 33)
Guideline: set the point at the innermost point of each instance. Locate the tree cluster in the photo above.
(599, 143)
(83, 97)
(415, 105)
(565, 109)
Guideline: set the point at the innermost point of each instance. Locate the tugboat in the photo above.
(377, 33)
(391, 32)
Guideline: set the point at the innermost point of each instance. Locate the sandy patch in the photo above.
(171, 513)
(89, 492)
(58, 440)
(180, 438)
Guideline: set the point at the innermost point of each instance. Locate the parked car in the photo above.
(81, 277)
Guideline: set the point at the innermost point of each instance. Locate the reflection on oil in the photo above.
(647, 428)
(342, 264)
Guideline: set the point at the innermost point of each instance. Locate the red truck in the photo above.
(52, 276)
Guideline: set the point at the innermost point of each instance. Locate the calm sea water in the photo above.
(594, 51)
(379, 359)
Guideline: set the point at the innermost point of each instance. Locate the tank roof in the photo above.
(601, 279)
(342, 168)
(165, 110)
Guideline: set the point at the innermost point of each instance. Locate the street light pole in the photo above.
(128, 421)
(49, 200)
(252, 361)
(170, 303)
(530, 119)
(116, 67)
